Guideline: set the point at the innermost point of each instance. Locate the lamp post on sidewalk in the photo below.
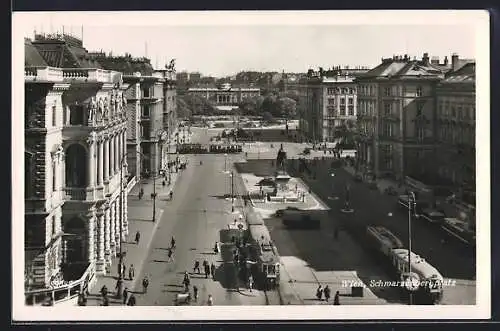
(160, 141)
(411, 204)
(123, 164)
(232, 191)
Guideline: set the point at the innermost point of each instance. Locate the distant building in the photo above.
(152, 119)
(75, 144)
(396, 117)
(225, 96)
(456, 126)
(327, 100)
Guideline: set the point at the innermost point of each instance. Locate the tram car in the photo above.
(265, 263)
(223, 148)
(428, 281)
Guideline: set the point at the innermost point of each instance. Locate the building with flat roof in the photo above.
(225, 95)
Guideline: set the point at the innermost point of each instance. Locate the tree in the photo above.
(287, 107)
(267, 116)
(269, 104)
(183, 110)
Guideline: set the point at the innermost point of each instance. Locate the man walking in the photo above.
(125, 295)
(327, 293)
(145, 284)
(131, 272)
(212, 270)
(196, 267)
(137, 237)
(336, 299)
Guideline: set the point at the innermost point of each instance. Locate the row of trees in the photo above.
(269, 106)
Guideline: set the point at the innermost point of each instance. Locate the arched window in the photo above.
(28, 174)
(76, 161)
(76, 115)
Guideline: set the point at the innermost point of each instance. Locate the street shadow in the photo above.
(150, 220)
(173, 285)
(208, 253)
(222, 197)
(160, 261)
(260, 168)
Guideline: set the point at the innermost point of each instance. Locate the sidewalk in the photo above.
(139, 219)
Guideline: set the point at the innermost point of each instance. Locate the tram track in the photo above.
(273, 298)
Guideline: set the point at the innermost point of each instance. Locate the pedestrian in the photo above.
(137, 237)
(118, 286)
(336, 299)
(124, 268)
(319, 292)
(196, 267)
(104, 291)
(145, 284)
(131, 301)
(195, 292)
(131, 272)
(216, 247)
(210, 300)
(250, 283)
(169, 254)
(212, 270)
(172, 242)
(125, 295)
(327, 293)
(207, 270)
(105, 301)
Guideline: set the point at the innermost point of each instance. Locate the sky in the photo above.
(221, 45)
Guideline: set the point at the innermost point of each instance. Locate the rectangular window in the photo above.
(342, 101)
(331, 101)
(342, 110)
(387, 91)
(420, 133)
(419, 91)
(351, 110)
(54, 118)
(146, 93)
(420, 108)
(387, 129)
(351, 101)
(145, 111)
(387, 109)
(145, 131)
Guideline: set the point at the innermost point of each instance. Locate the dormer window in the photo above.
(419, 91)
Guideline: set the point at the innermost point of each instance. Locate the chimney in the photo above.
(454, 61)
(425, 58)
(445, 62)
(435, 60)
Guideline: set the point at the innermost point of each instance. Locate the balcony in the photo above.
(91, 75)
(43, 74)
(84, 194)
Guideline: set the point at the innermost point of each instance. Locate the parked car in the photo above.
(433, 216)
(280, 212)
(268, 181)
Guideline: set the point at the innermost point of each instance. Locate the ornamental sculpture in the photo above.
(100, 109)
(92, 109)
(124, 101)
(106, 107)
(112, 103)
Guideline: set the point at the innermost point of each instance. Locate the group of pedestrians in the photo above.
(209, 269)
(320, 292)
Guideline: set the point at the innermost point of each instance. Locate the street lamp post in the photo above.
(225, 163)
(232, 191)
(411, 203)
(120, 254)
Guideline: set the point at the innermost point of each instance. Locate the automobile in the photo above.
(306, 151)
(280, 212)
(268, 181)
(459, 229)
(433, 216)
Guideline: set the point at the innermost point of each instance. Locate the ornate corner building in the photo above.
(75, 164)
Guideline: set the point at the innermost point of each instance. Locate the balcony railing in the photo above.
(49, 74)
(73, 193)
(61, 293)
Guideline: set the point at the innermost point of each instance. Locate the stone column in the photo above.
(112, 232)
(91, 243)
(117, 153)
(100, 163)
(117, 225)
(111, 155)
(106, 159)
(101, 262)
(107, 234)
(91, 160)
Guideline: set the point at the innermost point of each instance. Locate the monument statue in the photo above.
(92, 108)
(280, 160)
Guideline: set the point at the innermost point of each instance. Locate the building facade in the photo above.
(455, 127)
(152, 116)
(397, 118)
(327, 101)
(75, 165)
(225, 95)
